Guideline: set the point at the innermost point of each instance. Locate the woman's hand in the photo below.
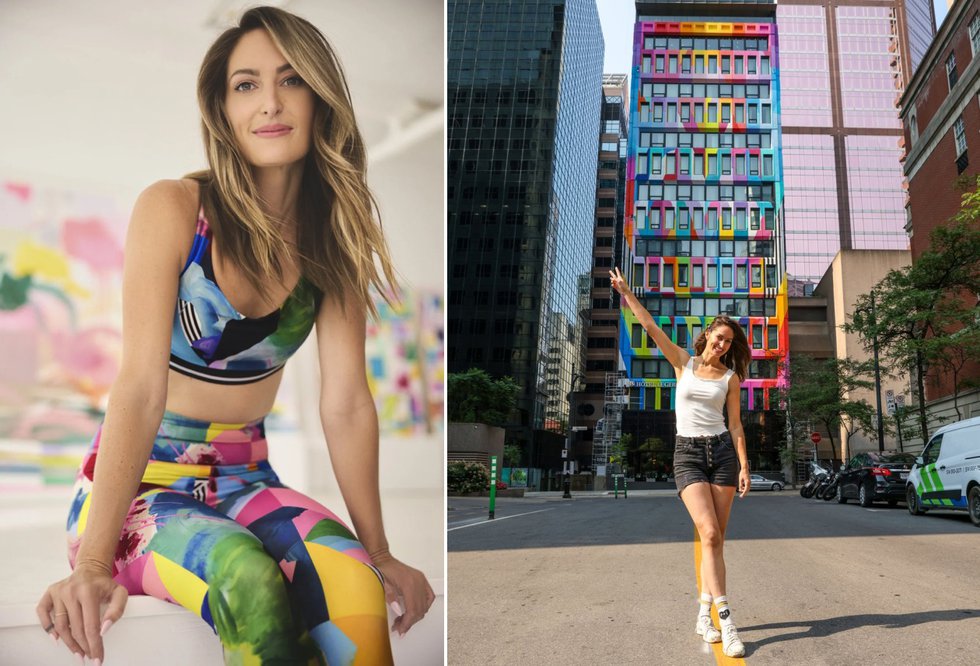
(407, 590)
(618, 282)
(744, 481)
(71, 609)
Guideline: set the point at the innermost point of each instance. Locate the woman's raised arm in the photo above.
(675, 355)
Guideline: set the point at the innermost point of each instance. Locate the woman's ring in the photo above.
(62, 613)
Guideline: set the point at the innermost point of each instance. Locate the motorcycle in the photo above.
(830, 490)
(817, 475)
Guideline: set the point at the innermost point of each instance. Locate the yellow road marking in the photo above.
(720, 657)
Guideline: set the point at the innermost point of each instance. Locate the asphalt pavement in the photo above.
(597, 580)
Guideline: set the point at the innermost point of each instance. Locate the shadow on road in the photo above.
(834, 625)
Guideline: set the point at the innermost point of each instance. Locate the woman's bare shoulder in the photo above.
(165, 213)
(174, 196)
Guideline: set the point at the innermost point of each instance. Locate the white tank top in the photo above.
(699, 403)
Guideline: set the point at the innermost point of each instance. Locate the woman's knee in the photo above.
(711, 535)
(246, 590)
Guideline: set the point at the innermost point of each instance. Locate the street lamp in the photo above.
(874, 347)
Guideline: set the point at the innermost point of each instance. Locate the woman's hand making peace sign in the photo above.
(618, 281)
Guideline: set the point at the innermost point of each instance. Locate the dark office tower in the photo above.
(602, 338)
(524, 91)
(843, 66)
(704, 202)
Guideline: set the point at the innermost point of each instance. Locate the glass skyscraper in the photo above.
(843, 66)
(704, 220)
(524, 88)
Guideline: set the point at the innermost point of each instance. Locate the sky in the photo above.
(616, 17)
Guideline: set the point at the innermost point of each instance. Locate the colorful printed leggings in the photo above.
(276, 575)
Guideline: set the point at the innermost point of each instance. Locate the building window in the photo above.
(951, 74)
(653, 276)
(975, 33)
(960, 134)
(913, 128)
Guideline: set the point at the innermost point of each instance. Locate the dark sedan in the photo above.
(871, 476)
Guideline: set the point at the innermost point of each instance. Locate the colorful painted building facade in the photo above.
(704, 222)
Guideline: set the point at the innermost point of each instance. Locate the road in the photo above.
(597, 580)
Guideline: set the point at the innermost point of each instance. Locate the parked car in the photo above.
(760, 482)
(947, 474)
(871, 476)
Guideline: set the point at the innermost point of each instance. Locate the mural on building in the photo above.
(61, 257)
(704, 221)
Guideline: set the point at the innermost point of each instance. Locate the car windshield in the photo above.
(894, 458)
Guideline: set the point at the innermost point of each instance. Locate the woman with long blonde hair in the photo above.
(710, 458)
(226, 273)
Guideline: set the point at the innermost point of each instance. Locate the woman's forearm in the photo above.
(352, 438)
(130, 426)
(738, 434)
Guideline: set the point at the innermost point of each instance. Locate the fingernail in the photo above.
(395, 606)
(54, 638)
(81, 659)
(98, 662)
(105, 627)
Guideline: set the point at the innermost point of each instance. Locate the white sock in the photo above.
(724, 612)
(705, 604)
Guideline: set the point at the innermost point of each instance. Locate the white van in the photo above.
(947, 474)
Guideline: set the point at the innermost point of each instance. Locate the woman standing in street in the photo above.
(227, 271)
(710, 460)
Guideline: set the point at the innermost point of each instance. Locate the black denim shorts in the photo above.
(710, 459)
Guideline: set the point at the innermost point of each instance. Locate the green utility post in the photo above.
(625, 496)
(493, 484)
(616, 486)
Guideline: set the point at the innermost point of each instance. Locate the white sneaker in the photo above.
(706, 629)
(731, 644)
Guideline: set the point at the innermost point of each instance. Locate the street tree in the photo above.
(475, 397)
(820, 391)
(619, 451)
(512, 454)
(913, 312)
(952, 354)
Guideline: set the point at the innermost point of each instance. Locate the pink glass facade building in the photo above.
(843, 65)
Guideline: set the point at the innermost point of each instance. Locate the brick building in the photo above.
(940, 111)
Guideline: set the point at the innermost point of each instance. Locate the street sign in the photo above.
(564, 453)
(815, 438)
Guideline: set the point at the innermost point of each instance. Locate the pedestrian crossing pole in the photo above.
(493, 484)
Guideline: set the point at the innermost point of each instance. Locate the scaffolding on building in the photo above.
(612, 414)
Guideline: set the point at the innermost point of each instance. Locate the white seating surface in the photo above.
(32, 555)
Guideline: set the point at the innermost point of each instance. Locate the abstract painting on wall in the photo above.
(406, 374)
(60, 319)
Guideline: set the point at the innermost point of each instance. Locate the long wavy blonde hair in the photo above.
(339, 236)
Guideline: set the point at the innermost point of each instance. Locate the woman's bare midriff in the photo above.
(220, 403)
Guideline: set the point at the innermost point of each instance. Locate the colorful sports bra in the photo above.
(214, 342)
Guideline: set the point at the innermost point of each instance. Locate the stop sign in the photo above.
(815, 438)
